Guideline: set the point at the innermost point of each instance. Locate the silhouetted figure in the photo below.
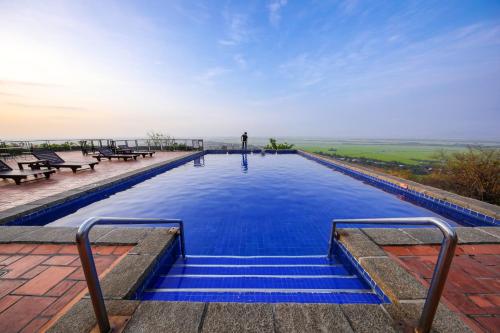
(244, 139)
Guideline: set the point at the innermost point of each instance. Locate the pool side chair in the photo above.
(6, 172)
(127, 150)
(108, 153)
(144, 153)
(57, 162)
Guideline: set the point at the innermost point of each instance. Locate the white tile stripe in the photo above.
(261, 276)
(253, 257)
(260, 290)
(271, 265)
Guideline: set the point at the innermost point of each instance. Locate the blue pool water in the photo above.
(251, 205)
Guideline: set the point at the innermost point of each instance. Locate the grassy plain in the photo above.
(404, 153)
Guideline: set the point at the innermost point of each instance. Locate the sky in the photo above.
(339, 69)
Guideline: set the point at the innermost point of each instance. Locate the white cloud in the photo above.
(274, 8)
(209, 77)
(359, 65)
(240, 60)
(238, 30)
(348, 6)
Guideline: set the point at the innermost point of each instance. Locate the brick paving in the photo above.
(12, 195)
(473, 285)
(42, 279)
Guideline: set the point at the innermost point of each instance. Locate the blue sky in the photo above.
(357, 69)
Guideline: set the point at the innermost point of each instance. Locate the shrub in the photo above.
(474, 173)
(273, 144)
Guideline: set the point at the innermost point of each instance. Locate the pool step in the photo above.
(301, 279)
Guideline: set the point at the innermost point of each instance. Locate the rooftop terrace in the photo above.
(44, 282)
(65, 180)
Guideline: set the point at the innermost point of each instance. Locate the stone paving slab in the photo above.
(171, 317)
(238, 317)
(474, 235)
(495, 231)
(425, 235)
(359, 244)
(49, 235)
(298, 318)
(415, 236)
(8, 234)
(368, 318)
(393, 279)
(445, 321)
(155, 242)
(127, 276)
(491, 230)
(393, 236)
(81, 317)
(124, 235)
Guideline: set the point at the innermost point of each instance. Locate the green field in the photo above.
(405, 154)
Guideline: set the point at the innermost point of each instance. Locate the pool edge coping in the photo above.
(120, 283)
(492, 211)
(150, 244)
(366, 246)
(19, 214)
(38, 206)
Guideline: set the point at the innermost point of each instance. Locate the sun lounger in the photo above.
(6, 172)
(108, 153)
(144, 153)
(57, 162)
(128, 150)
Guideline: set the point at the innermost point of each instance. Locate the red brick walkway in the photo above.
(39, 281)
(473, 286)
(12, 195)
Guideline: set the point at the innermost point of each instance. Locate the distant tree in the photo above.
(474, 173)
(273, 144)
(157, 138)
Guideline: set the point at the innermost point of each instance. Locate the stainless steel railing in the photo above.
(88, 264)
(443, 263)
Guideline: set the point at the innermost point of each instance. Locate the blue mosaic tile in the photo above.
(340, 298)
(192, 278)
(463, 215)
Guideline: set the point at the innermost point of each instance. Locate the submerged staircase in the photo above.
(259, 279)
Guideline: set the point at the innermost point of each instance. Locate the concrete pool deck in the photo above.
(373, 248)
(40, 280)
(379, 251)
(473, 204)
(32, 196)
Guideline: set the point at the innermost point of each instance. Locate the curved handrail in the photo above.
(88, 264)
(442, 265)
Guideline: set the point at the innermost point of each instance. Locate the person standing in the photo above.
(244, 139)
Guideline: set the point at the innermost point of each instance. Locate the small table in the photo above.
(34, 165)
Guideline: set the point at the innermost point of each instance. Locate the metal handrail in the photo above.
(442, 265)
(88, 264)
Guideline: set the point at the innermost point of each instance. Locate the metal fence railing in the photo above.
(86, 146)
(88, 264)
(441, 269)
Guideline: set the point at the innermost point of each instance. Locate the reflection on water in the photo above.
(199, 161)
(244, 162)
(283, 207)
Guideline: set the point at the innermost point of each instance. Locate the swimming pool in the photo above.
(251, 205)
